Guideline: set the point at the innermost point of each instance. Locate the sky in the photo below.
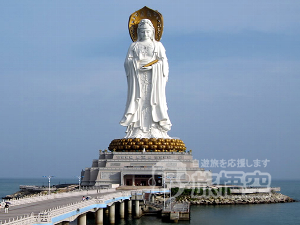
(233, 92)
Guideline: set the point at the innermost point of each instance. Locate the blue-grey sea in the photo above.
(275, 214)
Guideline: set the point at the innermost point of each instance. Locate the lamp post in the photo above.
(170, 193)
(170, 200)
(49, 180)
(79, 182)
(164, 182)
(164, 186)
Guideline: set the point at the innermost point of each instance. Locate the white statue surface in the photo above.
(146, 114)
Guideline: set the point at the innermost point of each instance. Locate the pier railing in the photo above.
(43, 197)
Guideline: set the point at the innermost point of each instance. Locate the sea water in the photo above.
(258, 214)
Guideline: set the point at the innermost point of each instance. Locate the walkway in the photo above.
(55, 208)
(39, 206)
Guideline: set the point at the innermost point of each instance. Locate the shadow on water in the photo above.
(263, 214)
(128, 220)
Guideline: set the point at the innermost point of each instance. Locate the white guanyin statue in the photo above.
(146, 108)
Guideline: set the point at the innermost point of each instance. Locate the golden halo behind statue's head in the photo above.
(145, 13)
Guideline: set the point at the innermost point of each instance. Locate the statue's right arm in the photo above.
(129, 64)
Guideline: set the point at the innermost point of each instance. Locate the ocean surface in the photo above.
(261, 214)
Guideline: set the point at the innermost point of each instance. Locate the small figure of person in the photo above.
(6, 207)
(83, 198)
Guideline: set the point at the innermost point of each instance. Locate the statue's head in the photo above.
(145, 30)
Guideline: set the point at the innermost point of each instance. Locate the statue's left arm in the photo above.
(163, 58)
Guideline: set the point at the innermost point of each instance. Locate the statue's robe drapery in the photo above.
(159, 75)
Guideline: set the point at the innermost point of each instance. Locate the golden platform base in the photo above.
(147, 144)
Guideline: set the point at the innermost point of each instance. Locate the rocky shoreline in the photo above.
(266, 198)
(32, 192)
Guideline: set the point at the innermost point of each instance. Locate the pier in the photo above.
(64, 208)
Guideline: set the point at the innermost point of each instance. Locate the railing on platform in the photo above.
(20, 220)
(42, 197)
(36, 188)
(252, 190)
